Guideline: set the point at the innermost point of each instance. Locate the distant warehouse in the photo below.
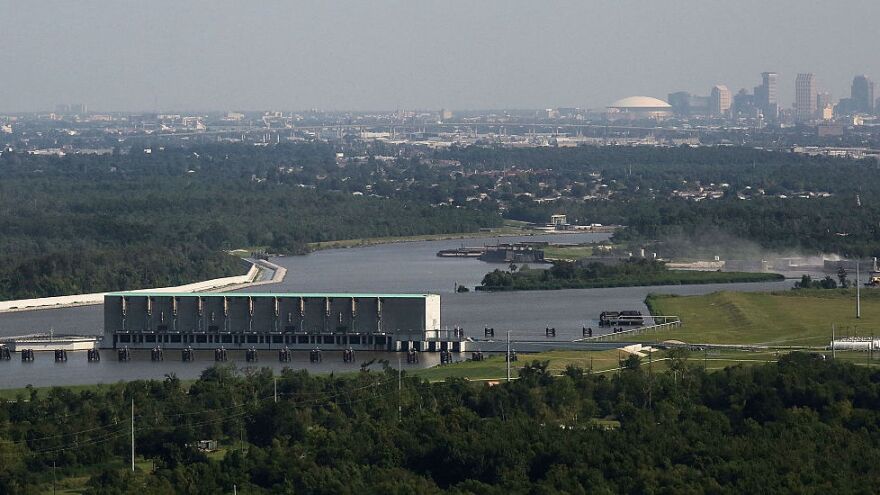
(269, 321)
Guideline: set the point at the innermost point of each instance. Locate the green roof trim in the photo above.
(265, 294)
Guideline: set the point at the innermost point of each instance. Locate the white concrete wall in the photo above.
(98, 297)
(432, 312)
(51, 345)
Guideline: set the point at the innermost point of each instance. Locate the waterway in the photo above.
(411, 267)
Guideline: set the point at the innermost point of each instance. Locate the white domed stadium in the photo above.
(639, 107)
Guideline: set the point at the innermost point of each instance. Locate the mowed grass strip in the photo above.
(494, 367)
(795, 318)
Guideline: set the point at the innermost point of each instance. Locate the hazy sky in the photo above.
(377, 54)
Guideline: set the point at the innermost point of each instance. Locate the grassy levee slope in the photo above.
(494, 367)
(794, 318)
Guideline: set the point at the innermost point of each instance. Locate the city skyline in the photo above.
(389, 55)
(720, 100)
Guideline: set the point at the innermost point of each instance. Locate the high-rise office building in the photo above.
(805, 97)
(767, 98)
(862, 95)
(719, 101)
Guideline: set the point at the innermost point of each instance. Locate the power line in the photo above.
(118, 430)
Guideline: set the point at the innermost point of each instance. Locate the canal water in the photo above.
(403, 267)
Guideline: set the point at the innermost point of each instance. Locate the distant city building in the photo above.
(719, 101)
(862, 94)
(686, 104)
(844, 107)
(639, 107)
(568, 112)
(805, 97)
(680, 102)
(549, 114)
(76, 108)
(744, 105)
(766, 95)
(824, 99)
(445, 114)
(770, 102)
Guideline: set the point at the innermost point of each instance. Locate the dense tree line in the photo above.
(88, 223)
(807, 282)
(189, 202)
(802, 425)
(635, 186)
(627, 273)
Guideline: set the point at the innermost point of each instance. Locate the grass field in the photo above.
(494, 367)
(793, 318)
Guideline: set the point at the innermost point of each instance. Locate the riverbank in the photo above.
(261, 272)
(511, 228)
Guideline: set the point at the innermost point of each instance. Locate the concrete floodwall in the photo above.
(98, 297)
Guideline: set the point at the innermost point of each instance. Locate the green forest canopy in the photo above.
(802, 425)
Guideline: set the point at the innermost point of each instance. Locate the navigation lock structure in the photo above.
(379, 322)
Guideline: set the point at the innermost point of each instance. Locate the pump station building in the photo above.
(392, 322)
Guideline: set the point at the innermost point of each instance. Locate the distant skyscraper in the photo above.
(805, 97)
(862, 94)
(767, 99)
(824, 99)
(680, 102)
(719, 100)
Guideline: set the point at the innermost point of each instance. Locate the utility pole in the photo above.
(53, 477)
(399, 389)
(132, 434)
(508, 355)
(650, 377)
(833, 354)
(275, 387)
(858, 293)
